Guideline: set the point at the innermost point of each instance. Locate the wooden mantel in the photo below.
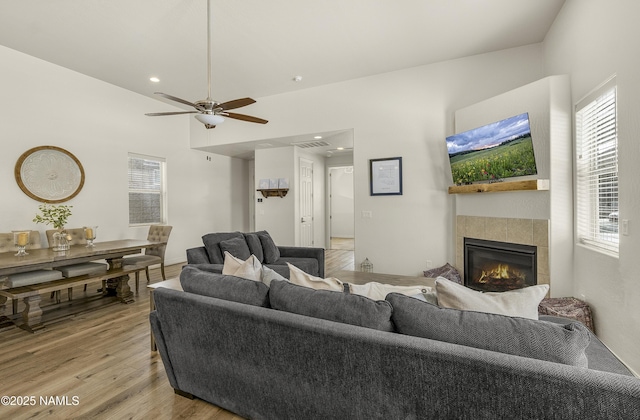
(530, 185)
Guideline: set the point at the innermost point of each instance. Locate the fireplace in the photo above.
(491, 266)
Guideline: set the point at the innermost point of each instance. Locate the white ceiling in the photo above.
(258, 45)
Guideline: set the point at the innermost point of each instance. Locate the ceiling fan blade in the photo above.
(245, 117)
(182, 101)
(159, 114)
(237, 103)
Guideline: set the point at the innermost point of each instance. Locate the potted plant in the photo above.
(57, 217)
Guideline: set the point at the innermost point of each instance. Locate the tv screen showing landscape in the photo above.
(499, 150)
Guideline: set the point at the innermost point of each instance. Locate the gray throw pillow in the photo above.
(269, 275)
(512, 335)
(331, 305)
(237, 247)
(271, 251)
(224, 287)
(212, 241)
(255, 246)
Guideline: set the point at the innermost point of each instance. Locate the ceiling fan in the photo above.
(208, 111)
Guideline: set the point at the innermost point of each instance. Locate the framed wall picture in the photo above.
(385, 176)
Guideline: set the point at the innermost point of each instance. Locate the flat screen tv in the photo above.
(493, 152)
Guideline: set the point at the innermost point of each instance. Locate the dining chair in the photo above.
(77, 237)
(152, 255)
(29, 277)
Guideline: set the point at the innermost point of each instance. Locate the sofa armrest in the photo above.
(198, 256)
(305, 252)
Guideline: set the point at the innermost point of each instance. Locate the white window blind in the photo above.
(597, 169)
(146, 190)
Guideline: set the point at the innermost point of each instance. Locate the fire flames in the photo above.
(500, 274)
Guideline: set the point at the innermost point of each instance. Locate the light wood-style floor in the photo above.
(339, 256)
(95, 357)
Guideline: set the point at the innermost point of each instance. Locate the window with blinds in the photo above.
(597, 169)
(146, 190)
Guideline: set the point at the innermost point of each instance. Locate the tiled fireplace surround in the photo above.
(519, 231)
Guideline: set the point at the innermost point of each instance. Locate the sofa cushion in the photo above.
(330, 305)
(512, 335)
(32, 277)
(255, 246)
(83, 268)
(269, 248)
(301, 278)
(235, 246)
(224, 287)
(212, 241)
(521, 302)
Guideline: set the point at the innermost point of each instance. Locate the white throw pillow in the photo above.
(250, 269)
(231, 263)
(301, 278)
(379, 291)
(520, 302)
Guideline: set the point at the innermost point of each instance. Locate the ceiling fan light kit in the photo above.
(210, 119)
(208, 111)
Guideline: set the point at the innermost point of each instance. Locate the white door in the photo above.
(306, 202)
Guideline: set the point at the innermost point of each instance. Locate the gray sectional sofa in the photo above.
(290, 352)
(210, 257)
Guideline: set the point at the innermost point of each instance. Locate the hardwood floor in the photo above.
(339, 257)
(94, 356)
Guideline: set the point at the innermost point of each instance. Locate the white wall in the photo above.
(276, 214)
(406, 113)
(341, 202)
(44, 104)
(590, 41)
(280, 216)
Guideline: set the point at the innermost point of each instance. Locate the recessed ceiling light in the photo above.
(154, 79)
(340, 148)
(317, 137)
(297, 79)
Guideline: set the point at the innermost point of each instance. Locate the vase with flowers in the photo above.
(56, 216)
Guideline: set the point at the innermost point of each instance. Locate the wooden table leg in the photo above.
(5, 322)
(123, 291)
(120, 284)
(32, 314)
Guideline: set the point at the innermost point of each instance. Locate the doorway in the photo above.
(341, 208)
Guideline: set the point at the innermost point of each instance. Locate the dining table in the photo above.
(46, 258)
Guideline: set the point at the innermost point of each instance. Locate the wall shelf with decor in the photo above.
(530, 185)
(274, 192)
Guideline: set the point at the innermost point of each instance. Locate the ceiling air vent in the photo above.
(309, 144)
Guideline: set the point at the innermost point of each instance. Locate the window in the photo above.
(146, 190)
(597, 169)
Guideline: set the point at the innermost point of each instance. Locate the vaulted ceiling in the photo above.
(260, 46)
